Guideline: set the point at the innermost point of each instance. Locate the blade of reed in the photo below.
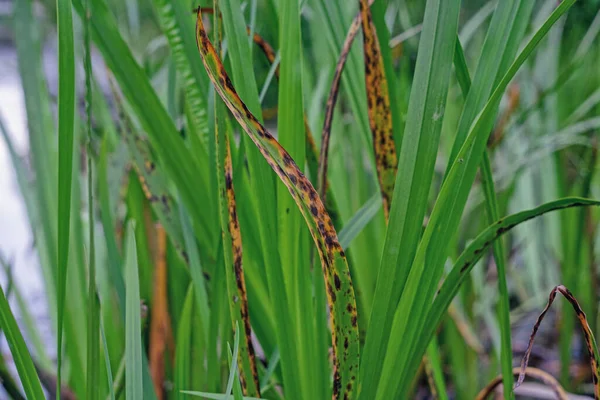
(445, 217)
(312, 368)
(473, 253)
(417, 157)
(358, 222)
(378, 106)
(183, 346)
(174, 20)
(335, 269)
(232, 250)
(491, 205)
(179, 164)
(312, 154)
(133, 332)
(18, 348)
(109, 376)
(262, 182)
(93, 316)
(590, 340)
(66, 121)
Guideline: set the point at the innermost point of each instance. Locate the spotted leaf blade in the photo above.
(340, 293)
(378, 105)
(232, 250)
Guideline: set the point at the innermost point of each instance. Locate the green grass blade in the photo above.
(109, 376)
(335, 268)
(473, 253)
(22, 358)
(183, 346)
(312, 369)
(445, 216)
(133, 332)
(175, 21)
(417, 156)
(66, 120)
(491, 205)
(179, 164)
(501, 44)
(358, 222)
(93, 317)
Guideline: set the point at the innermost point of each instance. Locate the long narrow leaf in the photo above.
(335, 268)
(378, 106)
(66, 120)
(133, 334)
(473, 253)
(417, 157)
(445, 216)
(22, 358)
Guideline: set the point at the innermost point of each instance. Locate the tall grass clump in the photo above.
(308, 199)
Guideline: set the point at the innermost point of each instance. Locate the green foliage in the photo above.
(312, 306)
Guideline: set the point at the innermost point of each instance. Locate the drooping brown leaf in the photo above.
(535, 373)
(590, 341)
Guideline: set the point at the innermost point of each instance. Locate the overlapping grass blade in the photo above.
(232, 250)
(93, 317)
(178, 27)
(313, 368)
(444, 220)
(66, 121)
(22, 358)
(133, 335)
(312, 154)
(417, 157)
(335, 268)
(473, 253)
(184, 170)
(184, 346)
(491, 205)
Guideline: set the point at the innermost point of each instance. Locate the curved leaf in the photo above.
(590, 340)
(340, 292)
(473, 253)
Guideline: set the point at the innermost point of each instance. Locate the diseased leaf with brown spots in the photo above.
(312, 154)
(330, 105)
(232, 240)
(590, 340)
(340, 293)
(378, 107)
(535, 373)
(232, 243)
(378, 102)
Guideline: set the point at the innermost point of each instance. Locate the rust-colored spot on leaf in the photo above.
(378, 102)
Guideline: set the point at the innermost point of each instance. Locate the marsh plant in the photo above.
(308, 199)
